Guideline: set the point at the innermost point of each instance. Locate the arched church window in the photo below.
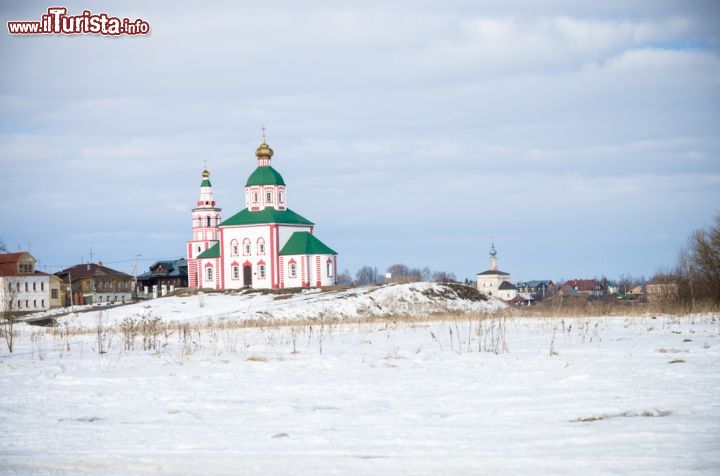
(208, 221)
(293, 270)
(255, 197)
(234, 248)
(261, 246)
(268, 197)
(236, 272)
(329, 267)
(280, 197)
(209, 273)
(246, 246)
(261, 271)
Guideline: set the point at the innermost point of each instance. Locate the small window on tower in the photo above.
(329, 269)
(255, 197)
(268, 197)
(280, 195)
(208, 221)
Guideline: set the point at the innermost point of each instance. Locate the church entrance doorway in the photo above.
(247, 275)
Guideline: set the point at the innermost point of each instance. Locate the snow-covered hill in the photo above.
(389, 300)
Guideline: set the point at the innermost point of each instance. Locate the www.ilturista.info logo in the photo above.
(58, 22)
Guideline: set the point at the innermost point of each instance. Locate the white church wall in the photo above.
(235, 280)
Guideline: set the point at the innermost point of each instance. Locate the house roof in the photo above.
(265, 175)
(495, 272)
(303, 243)
(91, 270)
(583, 284)
(12, 257)
(506, 285)
(535, 283)
(266, 215)
(9, 263)
(175, 268)
(212, 252)
(568, 290)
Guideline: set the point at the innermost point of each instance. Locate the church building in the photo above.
(494, 282)
(265, 245)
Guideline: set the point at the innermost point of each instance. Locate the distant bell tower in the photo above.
(205, 231)
(492, 262)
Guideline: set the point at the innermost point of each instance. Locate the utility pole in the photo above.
(135, 257)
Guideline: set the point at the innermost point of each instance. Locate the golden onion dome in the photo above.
(264, 151)
(205, 174)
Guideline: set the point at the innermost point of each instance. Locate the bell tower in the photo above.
(205, 231)
(492, 262)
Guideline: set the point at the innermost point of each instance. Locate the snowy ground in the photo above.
(400, 299)
(570, 396)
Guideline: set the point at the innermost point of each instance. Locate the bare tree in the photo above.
(10, 310)
(344, 278)
(704, 259)
(367, 275)
(443, 277)
(3, 248)
(697, 273)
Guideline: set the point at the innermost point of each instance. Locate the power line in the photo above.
(118, 261)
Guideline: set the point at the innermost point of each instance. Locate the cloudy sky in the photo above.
(584, 139)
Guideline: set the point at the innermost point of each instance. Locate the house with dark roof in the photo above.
(92, 283)
(163, 277)
(539, 288)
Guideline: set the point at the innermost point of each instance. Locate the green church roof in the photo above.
(206, 183)
(212, 252)
(303, 243)
(265, 175)
(266, 215)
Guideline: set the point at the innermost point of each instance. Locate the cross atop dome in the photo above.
(263, 153)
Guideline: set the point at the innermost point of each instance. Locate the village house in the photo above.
(22, 287)
(94, 283)
(58, 291)
(659, 291)
(635, 292)
(265, 245)
(591, 288)
(540, 289)
(163, 277)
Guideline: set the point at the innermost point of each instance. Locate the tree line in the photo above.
(399, 273)
(697, 271)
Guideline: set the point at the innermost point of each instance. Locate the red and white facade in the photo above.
(205, 230)
(250, 245)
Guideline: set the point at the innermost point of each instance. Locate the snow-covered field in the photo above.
(568, 396)
(390, 300)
